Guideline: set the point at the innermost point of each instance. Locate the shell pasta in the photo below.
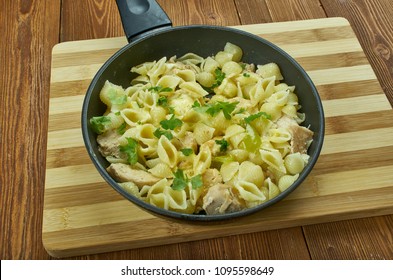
(203, 135)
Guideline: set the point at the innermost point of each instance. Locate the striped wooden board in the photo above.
(353, 177)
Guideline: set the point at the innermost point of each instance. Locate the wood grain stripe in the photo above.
(322, 48)
(355, 105)
(276, 27)
(65, 139)
(357, 141)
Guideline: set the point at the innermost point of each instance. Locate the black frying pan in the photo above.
(151, 37)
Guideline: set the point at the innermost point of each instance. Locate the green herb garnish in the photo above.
(196, 182)
(116, 98)
(98, 124)
(159, 89)
(226, 107)
(131, 150)
(246, 75)
(223, 144)
(159, 132)
(180, 180)
(250, 118)
(220, 76)
(122, 128)
(172, 123)
(187, 151)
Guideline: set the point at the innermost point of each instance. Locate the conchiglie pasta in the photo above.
(209, 134)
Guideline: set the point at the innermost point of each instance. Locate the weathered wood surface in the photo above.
(31, 28)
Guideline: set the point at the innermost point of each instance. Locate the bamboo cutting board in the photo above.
(352, 178)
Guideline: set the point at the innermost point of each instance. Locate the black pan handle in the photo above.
(141, 16)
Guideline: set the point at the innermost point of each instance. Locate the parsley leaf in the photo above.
(116, 98)
(159, 89)
(172, 123)
(220, 76)
(180, 181)
(223, 144)
(196, 182)
(246, 75)
(98, 124)
(187, 151)
(131, 150)
(158, 132)
(162, 101)
(250, 118)
(226, 107)
(122, 128)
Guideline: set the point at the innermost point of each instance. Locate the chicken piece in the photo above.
(220, 200)
(301, 136)
(109, 143)
(125, 173)
(211, 177)
(188, 141)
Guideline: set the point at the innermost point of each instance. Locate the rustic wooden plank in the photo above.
(211, 12)
(373, 25)
(284, 10)
(253, 11)
(29, 29)
(367, 238)
(89, 19)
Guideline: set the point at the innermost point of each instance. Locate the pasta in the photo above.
(203, 135)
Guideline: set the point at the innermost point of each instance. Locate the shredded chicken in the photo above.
(125, 173)
(211, 177)
(301, 136)
(109, 143)
(188, 141)
(220, 200)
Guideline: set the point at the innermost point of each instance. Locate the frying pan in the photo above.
(151, 37)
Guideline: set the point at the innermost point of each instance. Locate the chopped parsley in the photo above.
(246, 75)
(250, 118)
(122, 128)
(220, 76)
(162, 101)
(187, 151)
(196, 181)
(226, 107)
(116, 97)
(172, 123)
(223, 144)
(159, 132)
(213, 109)
(159, 89)
(181, 181)
(131, 150)
(98, 124)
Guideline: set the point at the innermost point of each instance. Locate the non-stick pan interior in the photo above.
(204, 41)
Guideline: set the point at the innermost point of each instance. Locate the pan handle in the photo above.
(141, 16)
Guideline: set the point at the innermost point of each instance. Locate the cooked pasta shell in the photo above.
(249, 191)
(161, 170)
(273, 159)
(294, 163)
(269, 70)
(251, 172)
(229, 170)
(235, 50)
(203, 160)
(167, 152)
(203, 133)
(286, 181)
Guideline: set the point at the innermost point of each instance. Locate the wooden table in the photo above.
(30, 29)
